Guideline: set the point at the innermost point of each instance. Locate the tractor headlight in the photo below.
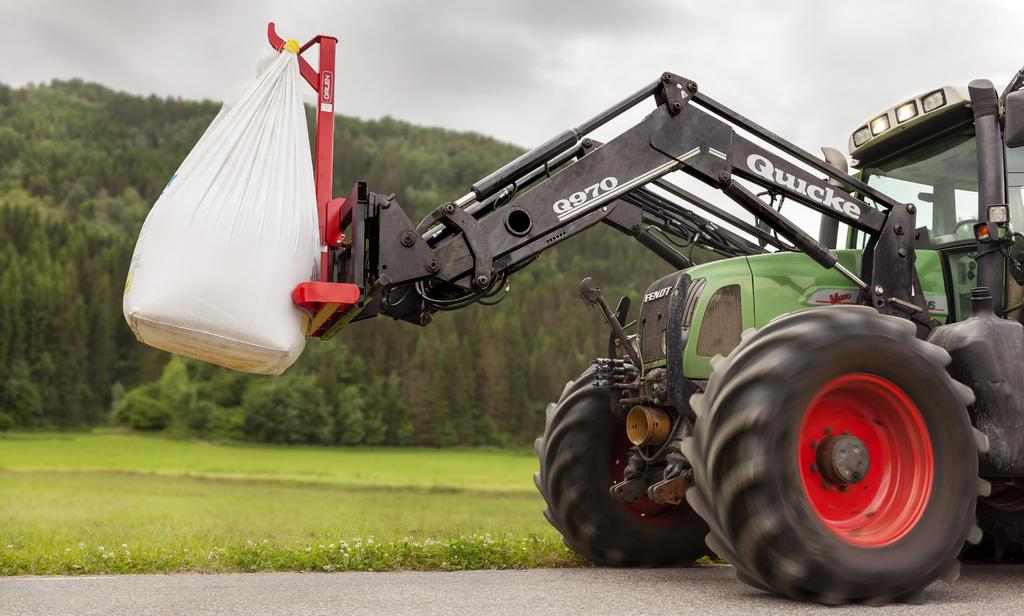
(933, 100)
(861, 136)
(998, 214)
(880, 125)
(906, 111)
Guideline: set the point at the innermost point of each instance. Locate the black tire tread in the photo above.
(730, 419)
(590, 525)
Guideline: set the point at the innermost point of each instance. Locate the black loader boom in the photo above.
(465, 249)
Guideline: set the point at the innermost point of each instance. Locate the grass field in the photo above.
(94, 503)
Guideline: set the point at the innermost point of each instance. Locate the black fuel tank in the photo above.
(988, 357)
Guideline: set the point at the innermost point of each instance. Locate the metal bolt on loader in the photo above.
(835, 422)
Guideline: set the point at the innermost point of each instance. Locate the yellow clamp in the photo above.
(292, 45)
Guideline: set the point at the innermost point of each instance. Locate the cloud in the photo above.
(524, 70)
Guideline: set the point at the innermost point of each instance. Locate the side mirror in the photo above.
(1013, 110)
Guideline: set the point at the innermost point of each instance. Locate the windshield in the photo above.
(940, 177)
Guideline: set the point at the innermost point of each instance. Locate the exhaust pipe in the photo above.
(985, 104)
(828, 229)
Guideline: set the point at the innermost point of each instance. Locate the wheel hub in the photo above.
(865, 459)
(843, 459)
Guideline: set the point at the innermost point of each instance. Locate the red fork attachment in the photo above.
(325, 299)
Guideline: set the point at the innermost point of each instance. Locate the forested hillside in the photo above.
(79, 167)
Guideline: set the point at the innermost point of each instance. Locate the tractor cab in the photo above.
(924, 151)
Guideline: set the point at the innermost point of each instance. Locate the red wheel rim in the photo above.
(890, 499)
(647, 510)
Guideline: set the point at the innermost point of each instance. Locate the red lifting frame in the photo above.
(325, 298)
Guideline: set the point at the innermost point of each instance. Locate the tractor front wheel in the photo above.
(583, 452)
(834, 459)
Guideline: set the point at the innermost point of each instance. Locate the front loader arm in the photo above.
(466, 249)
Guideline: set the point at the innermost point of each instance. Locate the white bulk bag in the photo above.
(231, 235)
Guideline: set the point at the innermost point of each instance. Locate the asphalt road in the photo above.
(987, 590)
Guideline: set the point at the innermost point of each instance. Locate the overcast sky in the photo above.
(523, 70)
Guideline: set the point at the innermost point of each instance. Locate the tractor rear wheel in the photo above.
(583, 452)
(1001, 516)
(834, 459)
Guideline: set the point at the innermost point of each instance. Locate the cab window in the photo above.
(940, 178)
(1015, 187)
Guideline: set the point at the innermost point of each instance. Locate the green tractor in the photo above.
(835, 423)
(835, 452)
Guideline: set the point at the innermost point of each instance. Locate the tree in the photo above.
(20, 399)
(142, 409)
(117, 393)
(286, 410)
(349, 426)
(375, 422)
(178, 394)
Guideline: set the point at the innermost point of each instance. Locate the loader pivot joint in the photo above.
(675, 92)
